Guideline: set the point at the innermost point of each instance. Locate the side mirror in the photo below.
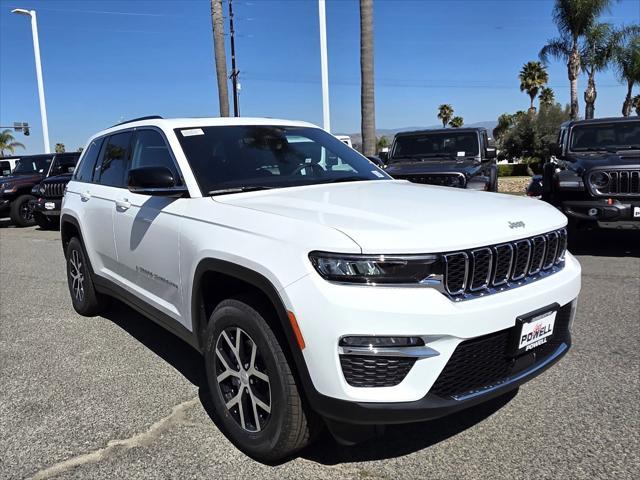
(157, 181)
(377, 160)
(491, 152)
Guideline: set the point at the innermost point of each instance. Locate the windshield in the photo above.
(254, 157)
(64, 163)
(606, 136)
(436, 145)
(32, 165)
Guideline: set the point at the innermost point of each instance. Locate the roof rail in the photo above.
(150, 117)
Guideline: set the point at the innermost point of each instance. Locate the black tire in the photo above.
(45, 222)
(21, 214)
(493, 179)
(266, 437)
(86, 301)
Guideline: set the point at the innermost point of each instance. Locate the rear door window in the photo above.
(115, 159)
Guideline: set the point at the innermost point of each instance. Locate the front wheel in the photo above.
(21, 212)
(252, 388)
(86, 301)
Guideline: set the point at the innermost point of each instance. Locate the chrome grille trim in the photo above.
(528, 259)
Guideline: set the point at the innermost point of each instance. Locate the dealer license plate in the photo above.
(49, 205)
(536, 331)
(636, 212)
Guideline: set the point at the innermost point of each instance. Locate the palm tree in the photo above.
(445, 112)
(546, 97)
(597, 51)
(627, 63)
(367, 98)
(573, 18)
(533, 76)
(7, 143)
(220, 56)
(456, 122)
(60, 148)
(636, 104)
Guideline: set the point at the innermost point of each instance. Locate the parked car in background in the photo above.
(318, 289)
(16, 198)
(7, 164)
(595, 176)
(345, 139)
(48, 199)
(450, 157)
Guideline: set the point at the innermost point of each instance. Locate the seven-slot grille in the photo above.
(621, 182)
(53, 190)
(505, 265)
(442, 179)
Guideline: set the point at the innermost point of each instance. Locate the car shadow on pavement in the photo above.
(605, 243)
(398, 440)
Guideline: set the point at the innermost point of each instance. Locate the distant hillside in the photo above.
(390, 132)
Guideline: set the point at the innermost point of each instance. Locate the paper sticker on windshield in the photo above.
(461, 154)
(192, 132)
(377, 174)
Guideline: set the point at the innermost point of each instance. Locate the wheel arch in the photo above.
(233, 280)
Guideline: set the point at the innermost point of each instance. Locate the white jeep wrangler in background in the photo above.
(319, 290)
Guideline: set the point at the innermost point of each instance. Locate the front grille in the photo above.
(53, 190)
(498, 267)
(487, 360)
(442, 179)
(619, 181)
(373, 371)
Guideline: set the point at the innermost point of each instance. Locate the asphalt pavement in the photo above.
(118, 397)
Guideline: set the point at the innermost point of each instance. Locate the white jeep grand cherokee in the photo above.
(319, 290)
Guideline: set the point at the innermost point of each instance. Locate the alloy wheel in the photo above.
(242, 379)
(77, 275)
(26, 213)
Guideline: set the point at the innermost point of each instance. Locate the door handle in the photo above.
(85, 197)
(123, 204)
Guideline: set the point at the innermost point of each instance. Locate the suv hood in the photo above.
(441, 165)
(390, 216)
(584, 162)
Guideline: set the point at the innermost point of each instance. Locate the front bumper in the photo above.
(604, 210)
(333, 311)
(49, 207)
(5, 204)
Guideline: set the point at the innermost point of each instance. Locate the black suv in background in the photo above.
(16, 198)
(451, 157)
(595, 177)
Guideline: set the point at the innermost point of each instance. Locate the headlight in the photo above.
(8, 188)
(377, 269)
(600, 179)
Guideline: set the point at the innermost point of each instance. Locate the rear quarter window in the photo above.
(84, 172)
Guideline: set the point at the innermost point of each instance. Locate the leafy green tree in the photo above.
(456, 122)
(382, 142)
(8, 143)
(504, 123)
(80, 149)
(533, 76)
(636, 104)
(573, 19)
(60, 148)
(546, 97)
(627, 64)
(445, 113)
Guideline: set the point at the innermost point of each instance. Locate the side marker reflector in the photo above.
(296, 330)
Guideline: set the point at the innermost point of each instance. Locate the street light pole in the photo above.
(324, 67)
(36, 51)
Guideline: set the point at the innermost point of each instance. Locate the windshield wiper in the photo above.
(353, 178)
(247, 188)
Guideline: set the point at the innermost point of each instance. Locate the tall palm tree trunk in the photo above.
(573, 68)
(367, 100)
(220, 56)
(628, 101)
(590, 95)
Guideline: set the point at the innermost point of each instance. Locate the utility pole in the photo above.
(324, 68)
(220, 56)
(234, 72)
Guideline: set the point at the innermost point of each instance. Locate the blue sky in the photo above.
(107, 60)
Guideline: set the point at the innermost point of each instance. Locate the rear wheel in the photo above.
(86, 301)
(252, 388)
(21, 212)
